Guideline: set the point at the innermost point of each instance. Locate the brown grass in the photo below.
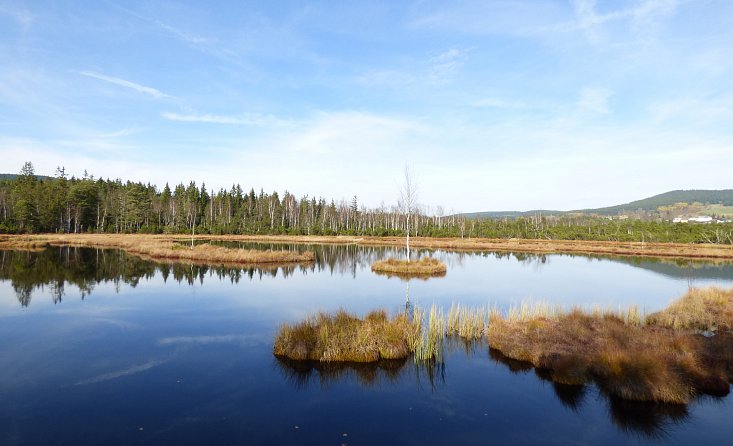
(668, 250)
(662, 360)
(160, 248)
(344, 337)
(657, 358)
(706, 309)
(424, 267)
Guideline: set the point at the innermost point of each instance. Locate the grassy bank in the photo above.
(667, 250)
(159, 248)
(424, 267)
(669, 356)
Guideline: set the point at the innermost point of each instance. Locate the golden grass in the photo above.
(160, 248)
(707, 309)
(344, 337)
(426, 266)
(668, 250)
(660, 358)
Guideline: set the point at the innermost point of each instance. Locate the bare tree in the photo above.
(408, 203)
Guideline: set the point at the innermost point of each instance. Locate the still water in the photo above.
(98, 347)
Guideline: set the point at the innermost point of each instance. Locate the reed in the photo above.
(467, 322)
(426, 266)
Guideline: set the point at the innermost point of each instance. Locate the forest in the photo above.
(63, 204)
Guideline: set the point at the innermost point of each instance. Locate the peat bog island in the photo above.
(420, 223)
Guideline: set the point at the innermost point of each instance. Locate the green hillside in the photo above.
(717, 202)
(723, 197)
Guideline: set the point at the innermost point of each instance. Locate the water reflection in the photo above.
(304, 373)
(58, 267)
(649, 420)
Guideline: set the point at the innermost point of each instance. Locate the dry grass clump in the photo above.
(631, 357)
(706, 309)
(426, 266)
(345, 337)
(659, 361)
(212, 254)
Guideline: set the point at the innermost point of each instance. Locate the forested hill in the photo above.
(724, 197)
(13, 176)
(72, 205)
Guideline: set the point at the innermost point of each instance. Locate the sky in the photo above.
(494, 105)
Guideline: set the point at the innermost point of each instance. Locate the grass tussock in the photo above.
(159, 248)
(426, 266)
(659, 358)
(707, 309)
(345, 337)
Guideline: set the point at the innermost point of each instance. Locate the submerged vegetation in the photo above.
(426, 266)
(669, 356)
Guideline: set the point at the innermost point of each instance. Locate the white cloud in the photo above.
(120, 373)
(644, 16)
(204, 340)
(250, 119)
(445, 65)
(594, 100)
(127, 84)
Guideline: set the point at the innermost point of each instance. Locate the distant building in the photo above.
(701, 219)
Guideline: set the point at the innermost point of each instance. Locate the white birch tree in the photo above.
(408, 203)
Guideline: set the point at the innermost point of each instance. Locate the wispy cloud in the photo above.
(154, 92)
(440, 68)
(594, 100)
(445, 65)
(643, 16)
(250, 119)
(204, 340)
(21, 16)
(120, 373)
(183, 35)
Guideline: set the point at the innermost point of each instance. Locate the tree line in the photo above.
(32, 204)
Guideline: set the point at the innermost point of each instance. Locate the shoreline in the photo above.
(157, 248)
(638, 249)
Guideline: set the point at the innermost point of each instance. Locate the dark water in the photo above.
(97, 347)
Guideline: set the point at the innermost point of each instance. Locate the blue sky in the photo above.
(513, 104)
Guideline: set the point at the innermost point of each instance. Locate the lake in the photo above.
(99, 347)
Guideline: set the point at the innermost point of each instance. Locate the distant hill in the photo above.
(510, 214)
(719, 197)
(723, 197)
(12, 176)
